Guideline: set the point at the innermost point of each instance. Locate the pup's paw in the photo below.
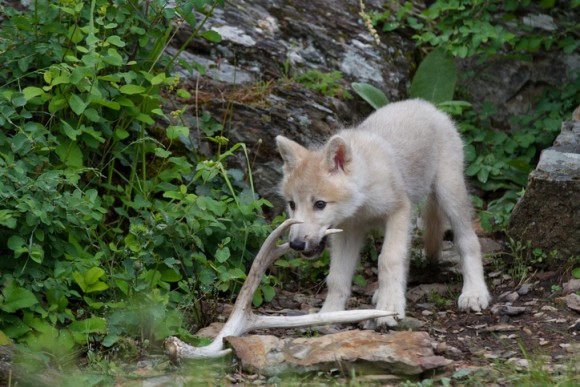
(474, 301)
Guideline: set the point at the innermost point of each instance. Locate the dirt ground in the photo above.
(527, 325)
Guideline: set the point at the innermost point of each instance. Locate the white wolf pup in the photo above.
(371, 177)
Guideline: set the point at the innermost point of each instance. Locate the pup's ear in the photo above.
(291, 152)
(337, 154)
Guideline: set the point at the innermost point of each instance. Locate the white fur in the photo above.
(372, 176)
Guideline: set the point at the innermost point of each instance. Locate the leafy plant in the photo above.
(114, 224)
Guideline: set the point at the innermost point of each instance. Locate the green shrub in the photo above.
(105, 205)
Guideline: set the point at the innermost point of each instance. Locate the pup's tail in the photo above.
(433, 229)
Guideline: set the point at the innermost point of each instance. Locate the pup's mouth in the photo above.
(314, 253)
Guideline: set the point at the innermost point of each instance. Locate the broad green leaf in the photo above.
(93, 275)
(156, 80)
(98, 286)
(70, 132)
(31, 92)
(257, 300)
(212, 36)
(110, 104)
(115, 40)
(80, 280)
(170, 275)
(174, 132)
(132, 89)
(8, 219)
(121, 134)
(16, 298)
(70, 154)
(269, 292)
(82, 329)
(77, 104)
(18, 99)
(375, 97)
(15, 242)
(222, 254)
(435, 78)
(159, 152)
(146, 118)
(36, 253)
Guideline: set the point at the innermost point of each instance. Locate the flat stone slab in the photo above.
(367, 352)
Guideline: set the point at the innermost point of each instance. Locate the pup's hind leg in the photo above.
(453, 199)
(344, 255)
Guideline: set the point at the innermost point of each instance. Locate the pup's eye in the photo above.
(319, 205)
(292, 205)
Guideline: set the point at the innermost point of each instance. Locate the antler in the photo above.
(243, 320)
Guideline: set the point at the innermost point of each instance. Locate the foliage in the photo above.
(112, 219)
(485, 28)
(375, 97)
(498, 161)
(325, 83)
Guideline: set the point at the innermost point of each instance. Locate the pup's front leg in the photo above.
(394, 265)
(344, 253)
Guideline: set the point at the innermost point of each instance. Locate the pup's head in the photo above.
(318, 190)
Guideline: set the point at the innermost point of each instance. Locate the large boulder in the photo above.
(548, 216)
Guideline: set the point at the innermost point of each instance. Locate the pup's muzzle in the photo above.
(300, 245)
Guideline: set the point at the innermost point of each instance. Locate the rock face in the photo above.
(265, 45)
(397, 353)
(549, 212)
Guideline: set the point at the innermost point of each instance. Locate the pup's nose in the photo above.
(297, 245)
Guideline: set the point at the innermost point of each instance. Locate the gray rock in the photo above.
(266, 43)
(573, 301)
(508, 310)
(367, 352)
(525, 289)
(548, 214)
(571, 286)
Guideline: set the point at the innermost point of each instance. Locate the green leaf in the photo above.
(70, 154)
(269, 292)
(435, 78)
(174, 132)
(18, 99)
(212, 36)
(93, 275)
(8, 219)
(257, 300)
(222, 254)
(170, 275)
(69, 130)
(110, 104)
(132, 89)
(160, 152)
(115, 40)
(15, 242)
(96, 287)
(82, 329)
(36, 252)
(80, 280)
(576, 273)
(77, 104)
(16, 298)
(31, 92)
(375, 97)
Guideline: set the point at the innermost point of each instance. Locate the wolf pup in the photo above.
(371, 177)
